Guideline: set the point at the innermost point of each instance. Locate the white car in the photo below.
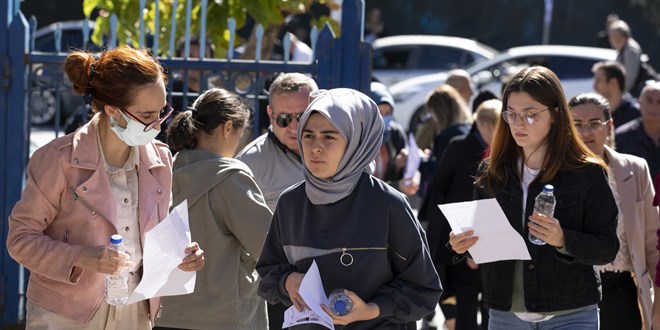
(401, 57)
(572, 64)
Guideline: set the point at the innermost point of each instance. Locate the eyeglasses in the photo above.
(165, 113)
(526, 117)
(591, 126)
(284, 119)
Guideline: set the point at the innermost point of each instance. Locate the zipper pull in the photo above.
(349, 258)
(74, 194)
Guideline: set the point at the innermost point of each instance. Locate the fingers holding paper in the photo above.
(461, 242)
(292, 286)
(194, 259)
(547, 229)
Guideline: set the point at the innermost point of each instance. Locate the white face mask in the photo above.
(133, 134)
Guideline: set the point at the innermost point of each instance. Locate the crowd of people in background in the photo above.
(324, 182)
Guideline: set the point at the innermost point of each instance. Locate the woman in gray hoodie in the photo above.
(227, 211)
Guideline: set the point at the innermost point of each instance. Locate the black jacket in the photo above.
(554, 281)
(452, 182)
(373, 231)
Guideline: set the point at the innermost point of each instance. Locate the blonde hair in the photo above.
(489, 111)
(448, 107)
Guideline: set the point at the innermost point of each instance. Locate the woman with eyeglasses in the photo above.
(229, 216)
(361, 232)
(108, 177)
(628, 280)
(537, 144)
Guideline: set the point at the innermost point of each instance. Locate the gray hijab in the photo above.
(357, 119)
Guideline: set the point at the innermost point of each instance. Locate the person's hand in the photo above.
(655, 315)
(462, 242)
(408, 186)
(100, 259)
(547, 229)
(425, 154)
(470, 262)
(292, 285)
(401, 159)
(194, 259)
(361, 311)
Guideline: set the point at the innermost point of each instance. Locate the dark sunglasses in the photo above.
(165, 113)
(284, 119)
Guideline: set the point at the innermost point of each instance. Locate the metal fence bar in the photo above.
(17, 138)
(9, 267)
(175, 5)
(156, 31)
(142, 4)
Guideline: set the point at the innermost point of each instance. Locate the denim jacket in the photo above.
(554, 281)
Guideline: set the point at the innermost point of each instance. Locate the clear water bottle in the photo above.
(116, 286)
(545, 205)
(340, 303)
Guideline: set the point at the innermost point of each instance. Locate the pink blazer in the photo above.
(67, 205)
(640, 218)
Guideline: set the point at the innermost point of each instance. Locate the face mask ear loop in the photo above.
(114, 122)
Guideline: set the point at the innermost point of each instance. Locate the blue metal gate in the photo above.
(337, 62)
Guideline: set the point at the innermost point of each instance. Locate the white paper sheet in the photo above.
(412, 165)
(497, 239)
(311, 290)
(164, 247)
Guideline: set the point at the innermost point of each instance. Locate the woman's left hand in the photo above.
(361, 311)
(194, 259)
(547, 229)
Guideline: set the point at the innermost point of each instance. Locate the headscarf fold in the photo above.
(357, 119)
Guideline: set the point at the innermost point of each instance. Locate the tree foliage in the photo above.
(269, 13)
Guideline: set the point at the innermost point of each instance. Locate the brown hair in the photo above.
(565, 149)
(114, 77)
(448, 107)
(599, 101)
(292, 82)
(213, 108)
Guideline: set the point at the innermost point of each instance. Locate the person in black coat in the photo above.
(453, 181)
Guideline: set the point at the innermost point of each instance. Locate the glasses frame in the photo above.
(283, 120)
(526, 117)
(149, 126)
(588, 125)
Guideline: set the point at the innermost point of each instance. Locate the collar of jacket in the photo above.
(87, 155)
(279, 144)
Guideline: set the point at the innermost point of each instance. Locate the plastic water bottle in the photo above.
(340, 303)
(116, 286)
(545, 205)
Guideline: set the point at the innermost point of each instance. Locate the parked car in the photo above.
(49, 80)
(572, 64)
(401, 57)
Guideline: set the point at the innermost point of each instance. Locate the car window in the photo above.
(71, 39)
(392, 57)
(441, 58)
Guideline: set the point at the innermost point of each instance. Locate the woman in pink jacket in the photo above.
(107, 177)
(627, 282)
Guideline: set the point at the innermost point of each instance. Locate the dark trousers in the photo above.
(619, 309)
(459, 300)
(276, 316)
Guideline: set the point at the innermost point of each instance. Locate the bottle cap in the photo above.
(548, 188)
(340, 306)
(116, 239)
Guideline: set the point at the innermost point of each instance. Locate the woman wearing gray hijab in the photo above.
(360, 231)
